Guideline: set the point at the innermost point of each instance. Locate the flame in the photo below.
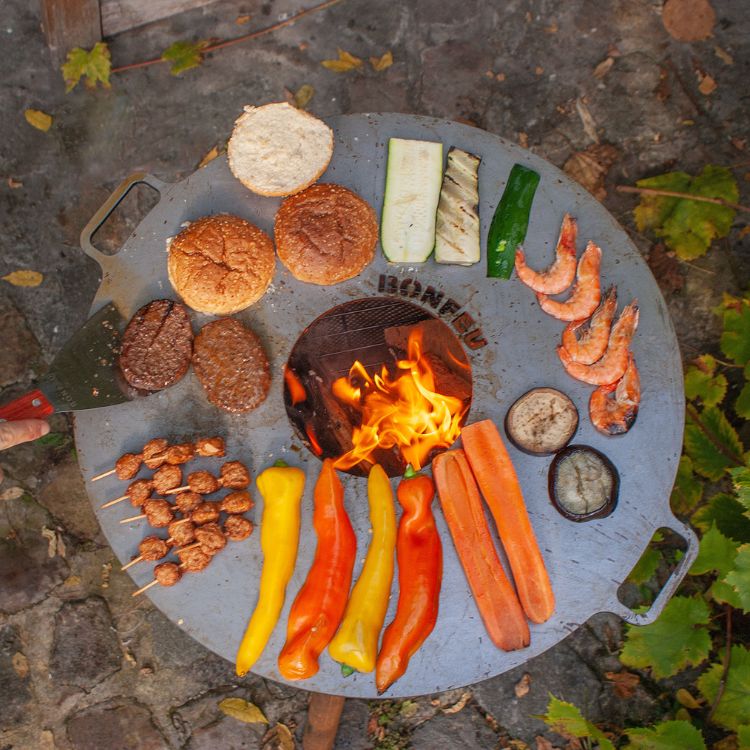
(403, 410)
(313, 438)
(294, 384)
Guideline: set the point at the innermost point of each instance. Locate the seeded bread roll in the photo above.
(325, 234)
(278, 149)
(221, 264)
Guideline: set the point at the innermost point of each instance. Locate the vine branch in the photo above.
(686, 196)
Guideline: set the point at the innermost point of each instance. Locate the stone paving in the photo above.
(83, 665)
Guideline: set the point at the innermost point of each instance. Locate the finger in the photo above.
(21, 431)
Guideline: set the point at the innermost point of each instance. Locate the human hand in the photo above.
(20, 431)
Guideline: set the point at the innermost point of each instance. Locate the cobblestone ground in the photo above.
(83, 665)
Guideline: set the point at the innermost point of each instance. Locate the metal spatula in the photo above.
(84, 375)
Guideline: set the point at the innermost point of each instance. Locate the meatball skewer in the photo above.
(167, 574)
(164, 479)
(234, 475)
(151, 548)
(158, 511)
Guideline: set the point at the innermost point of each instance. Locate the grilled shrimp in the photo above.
(559, 276)
(592, 343)
(611, 367)
(586, 293)
(613, 408)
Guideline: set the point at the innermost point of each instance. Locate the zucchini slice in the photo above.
(412, 189)
(457, 231)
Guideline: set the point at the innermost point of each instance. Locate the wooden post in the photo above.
(70, 23)
(323, 716)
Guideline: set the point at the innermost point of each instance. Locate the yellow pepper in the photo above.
(281, 487)
(356, 643)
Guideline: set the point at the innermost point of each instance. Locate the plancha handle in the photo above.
(33, 405)
(106, 209)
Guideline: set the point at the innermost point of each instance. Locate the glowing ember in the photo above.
(401, 411)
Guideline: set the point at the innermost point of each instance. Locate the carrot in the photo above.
(494, 595)
(494, 472)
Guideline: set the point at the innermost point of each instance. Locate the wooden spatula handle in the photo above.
(33, 405)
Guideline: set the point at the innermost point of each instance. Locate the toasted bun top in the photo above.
(221, 264)
(325, 234)
(277, 149)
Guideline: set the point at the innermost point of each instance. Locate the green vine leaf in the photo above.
(687, 490)
(95, 64)
(743, 736)
(184, 55)
(688, 227)
(567, 720)
(716, 553)
(676, 640)
(742, 404)
(728, 514)
(701, 382)
(734, 707)
(735, 340)
(669, 735)
(739, 577)
(645, 567)
(712, 443)
(741, 480)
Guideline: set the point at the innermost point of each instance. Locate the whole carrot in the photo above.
(496, 477)
(317, 611)
(420, 572)
(494, 595)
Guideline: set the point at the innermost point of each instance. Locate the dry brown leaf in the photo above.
(303, 96)
(239, 708)
(538, 70)
(344, 63)
(744, 231)
(663, 89)
(20, 664)
(208, 157)
(724, 56)
(523, 140)
(14, 184)
(685, 697)
(523, 686)
(666, 268)
(12, 493)
(688, 20)
(459, 704)
(500, 77)
(590, 167)
(739, 143)
(625, 683)
(278, 738)
(381, 63)
(604, 67)
(241, 20)
(46, 740)
(707, 84)
(467, 121)
(38, 119)
(587, 120)
(553, 28)
(728, 743)
(542, 743)
(24, 278)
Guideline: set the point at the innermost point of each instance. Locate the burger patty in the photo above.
(157, 345)
(231, 365)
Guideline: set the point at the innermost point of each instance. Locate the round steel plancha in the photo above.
(511, 345)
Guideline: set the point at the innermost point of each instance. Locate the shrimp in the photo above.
(615, 415)
(559, 276)
(586, 293)
(611, 367)
(592, 343)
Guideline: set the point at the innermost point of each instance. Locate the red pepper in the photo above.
(317, 611)
(420, 573)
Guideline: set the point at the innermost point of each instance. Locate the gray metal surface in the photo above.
(587, 562)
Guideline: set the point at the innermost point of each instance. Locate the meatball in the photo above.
(203, 482)
(207, 512)
(167, 478)
(154, 453)
(153, 548)
(180, 454)
(182, 532)
(139, 491)
(234, 475)
(237, 528)
(187, 502)
(167, 573)
(212, 447)
(236, 502)
(211, 538)
(158, 513)
(194, 560)
(126, 467)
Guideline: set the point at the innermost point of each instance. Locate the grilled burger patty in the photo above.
(157, 345)
(231, 365)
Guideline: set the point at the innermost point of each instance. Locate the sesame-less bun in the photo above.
(325, 234)
(277, 149)
(221, 264)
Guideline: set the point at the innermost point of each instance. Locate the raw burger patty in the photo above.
(231, 365)
(157, 345)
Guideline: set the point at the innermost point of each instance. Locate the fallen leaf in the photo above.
(739, 143)
(184, 55)
(459, 704)
(666, 268)
(624, 682)
(381, 63)
(663, 89)
(542, 743)
(95, 64)
(538, 70)
(344, 63)
(20, 664)
(685, 698)
(500, 77)
(240, 20)
(724, 56)
(707, 84)
(744, 231)
(590, 167)
(523, 686)
(24, 278)
(208, 157)
(38, 119)
(12, 493)
(604, 67)
(552, 28)
(106, 572)
(239, 708)
(523, 140)
(51, 537)
(278, 738)
(46, 740)
(688, 20)
(467, 121)
(14, 184)
(587, 120)
(303, 95)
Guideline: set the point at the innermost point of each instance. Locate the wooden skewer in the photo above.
(177, 489)
(143, 588)
(110, 503)
(102, 475)
(185, 549)
(133, 518)
(132, 562)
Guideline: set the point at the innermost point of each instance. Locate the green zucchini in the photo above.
(457, 229)
(510, 222)
(412, 189)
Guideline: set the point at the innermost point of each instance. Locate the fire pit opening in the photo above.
(377, 380)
